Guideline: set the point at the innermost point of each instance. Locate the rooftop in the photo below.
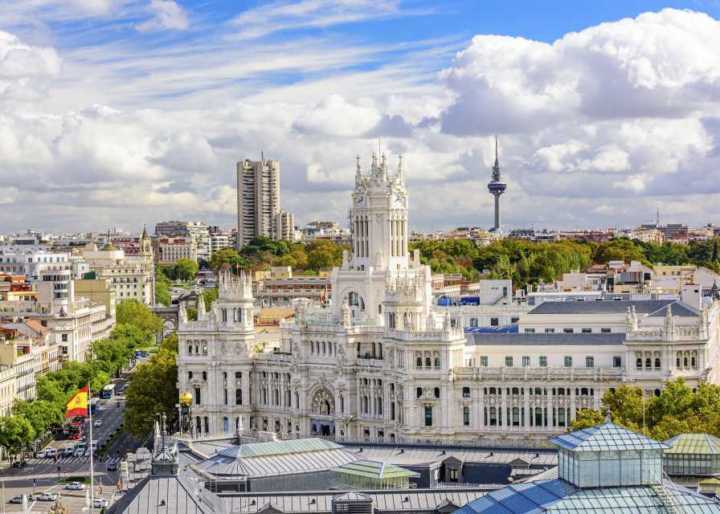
(696, 444)
(606, 437)
(559, 496)
(490, 339)
(653, 308)
(375, 470)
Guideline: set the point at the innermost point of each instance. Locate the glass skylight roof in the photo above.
(606, 437)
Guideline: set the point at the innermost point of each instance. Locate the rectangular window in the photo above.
(529, 330)
(428, 415)
(589, 362)
(509, 361)
(473, 322)
(587, 330)
(466, 392)
(526, 361)
(568, 330)
(483, 361)
(617, 361)
(605, 330)
(225, 397)
(494, 322)
(549, 330)
(568, 361)
(238, 396)
(64, 338)
(542, 361)
(466, 416)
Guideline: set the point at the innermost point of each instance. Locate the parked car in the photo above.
(99, 503)
(51, 452)
(97, 423)
(41, 454)
(68, 452)
(47, 496)
(75, 486)
(79, 452)
(112, 466)
(16, 499)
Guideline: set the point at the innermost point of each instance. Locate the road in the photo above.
(45, 474)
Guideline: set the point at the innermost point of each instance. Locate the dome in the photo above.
(185, 398)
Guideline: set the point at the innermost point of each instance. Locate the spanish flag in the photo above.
(78, 404)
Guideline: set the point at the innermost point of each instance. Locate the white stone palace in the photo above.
(381, 362)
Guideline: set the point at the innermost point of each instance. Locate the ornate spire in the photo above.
(400, 173)
(358, 170)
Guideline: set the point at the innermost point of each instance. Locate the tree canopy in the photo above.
(152, 390)
(16, 434)
(678, 409)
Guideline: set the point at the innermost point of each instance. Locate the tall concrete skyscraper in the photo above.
(496, 187)
(258, 202)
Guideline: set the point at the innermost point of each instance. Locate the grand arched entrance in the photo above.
(322, 410)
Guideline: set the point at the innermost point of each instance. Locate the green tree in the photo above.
(139, 315)
(152, 390)
(586, 418)
(41, 414)
(16, 434)
(162, 289)
(229, 257)
(323, 255)
(185, 269)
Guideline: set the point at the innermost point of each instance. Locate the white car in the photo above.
(79, 452)
(47, 496)
(51, 452)
(99, 503)
(75, 486)
(97, 423)
(41, 454)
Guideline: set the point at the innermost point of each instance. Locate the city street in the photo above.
(45, 474)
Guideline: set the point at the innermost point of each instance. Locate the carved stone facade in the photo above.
(380, 362)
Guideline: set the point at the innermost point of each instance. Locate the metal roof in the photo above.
(409, 456)
(160, 495)
(483, 339)
(696, 444)
(375, 470)
(653, 308)
(277, 458)
(560, 497)
(412, 500)
(606, 437)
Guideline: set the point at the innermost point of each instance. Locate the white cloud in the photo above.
(166, 15)
(662, 64)
(335, 116)
(273, 17)
(597, 128)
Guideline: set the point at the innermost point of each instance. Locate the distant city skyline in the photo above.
(129, 112)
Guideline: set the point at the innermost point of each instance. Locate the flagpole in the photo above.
(92, 450)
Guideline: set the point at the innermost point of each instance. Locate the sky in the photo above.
(123, 113)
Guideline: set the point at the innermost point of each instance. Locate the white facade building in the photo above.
(132, 277)
(381, 362)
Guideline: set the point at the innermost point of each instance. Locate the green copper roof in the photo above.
(375, 469)
(606, 437)
(697, 444)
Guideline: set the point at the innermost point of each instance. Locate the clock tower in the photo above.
(378, 217)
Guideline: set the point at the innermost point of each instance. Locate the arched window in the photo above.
(437, 361)
(638, 363)
(648, 363)
(657, 362)
(297, 401)
(418, 362)
(437, 392)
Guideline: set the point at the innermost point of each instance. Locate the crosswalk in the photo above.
(65, 461)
